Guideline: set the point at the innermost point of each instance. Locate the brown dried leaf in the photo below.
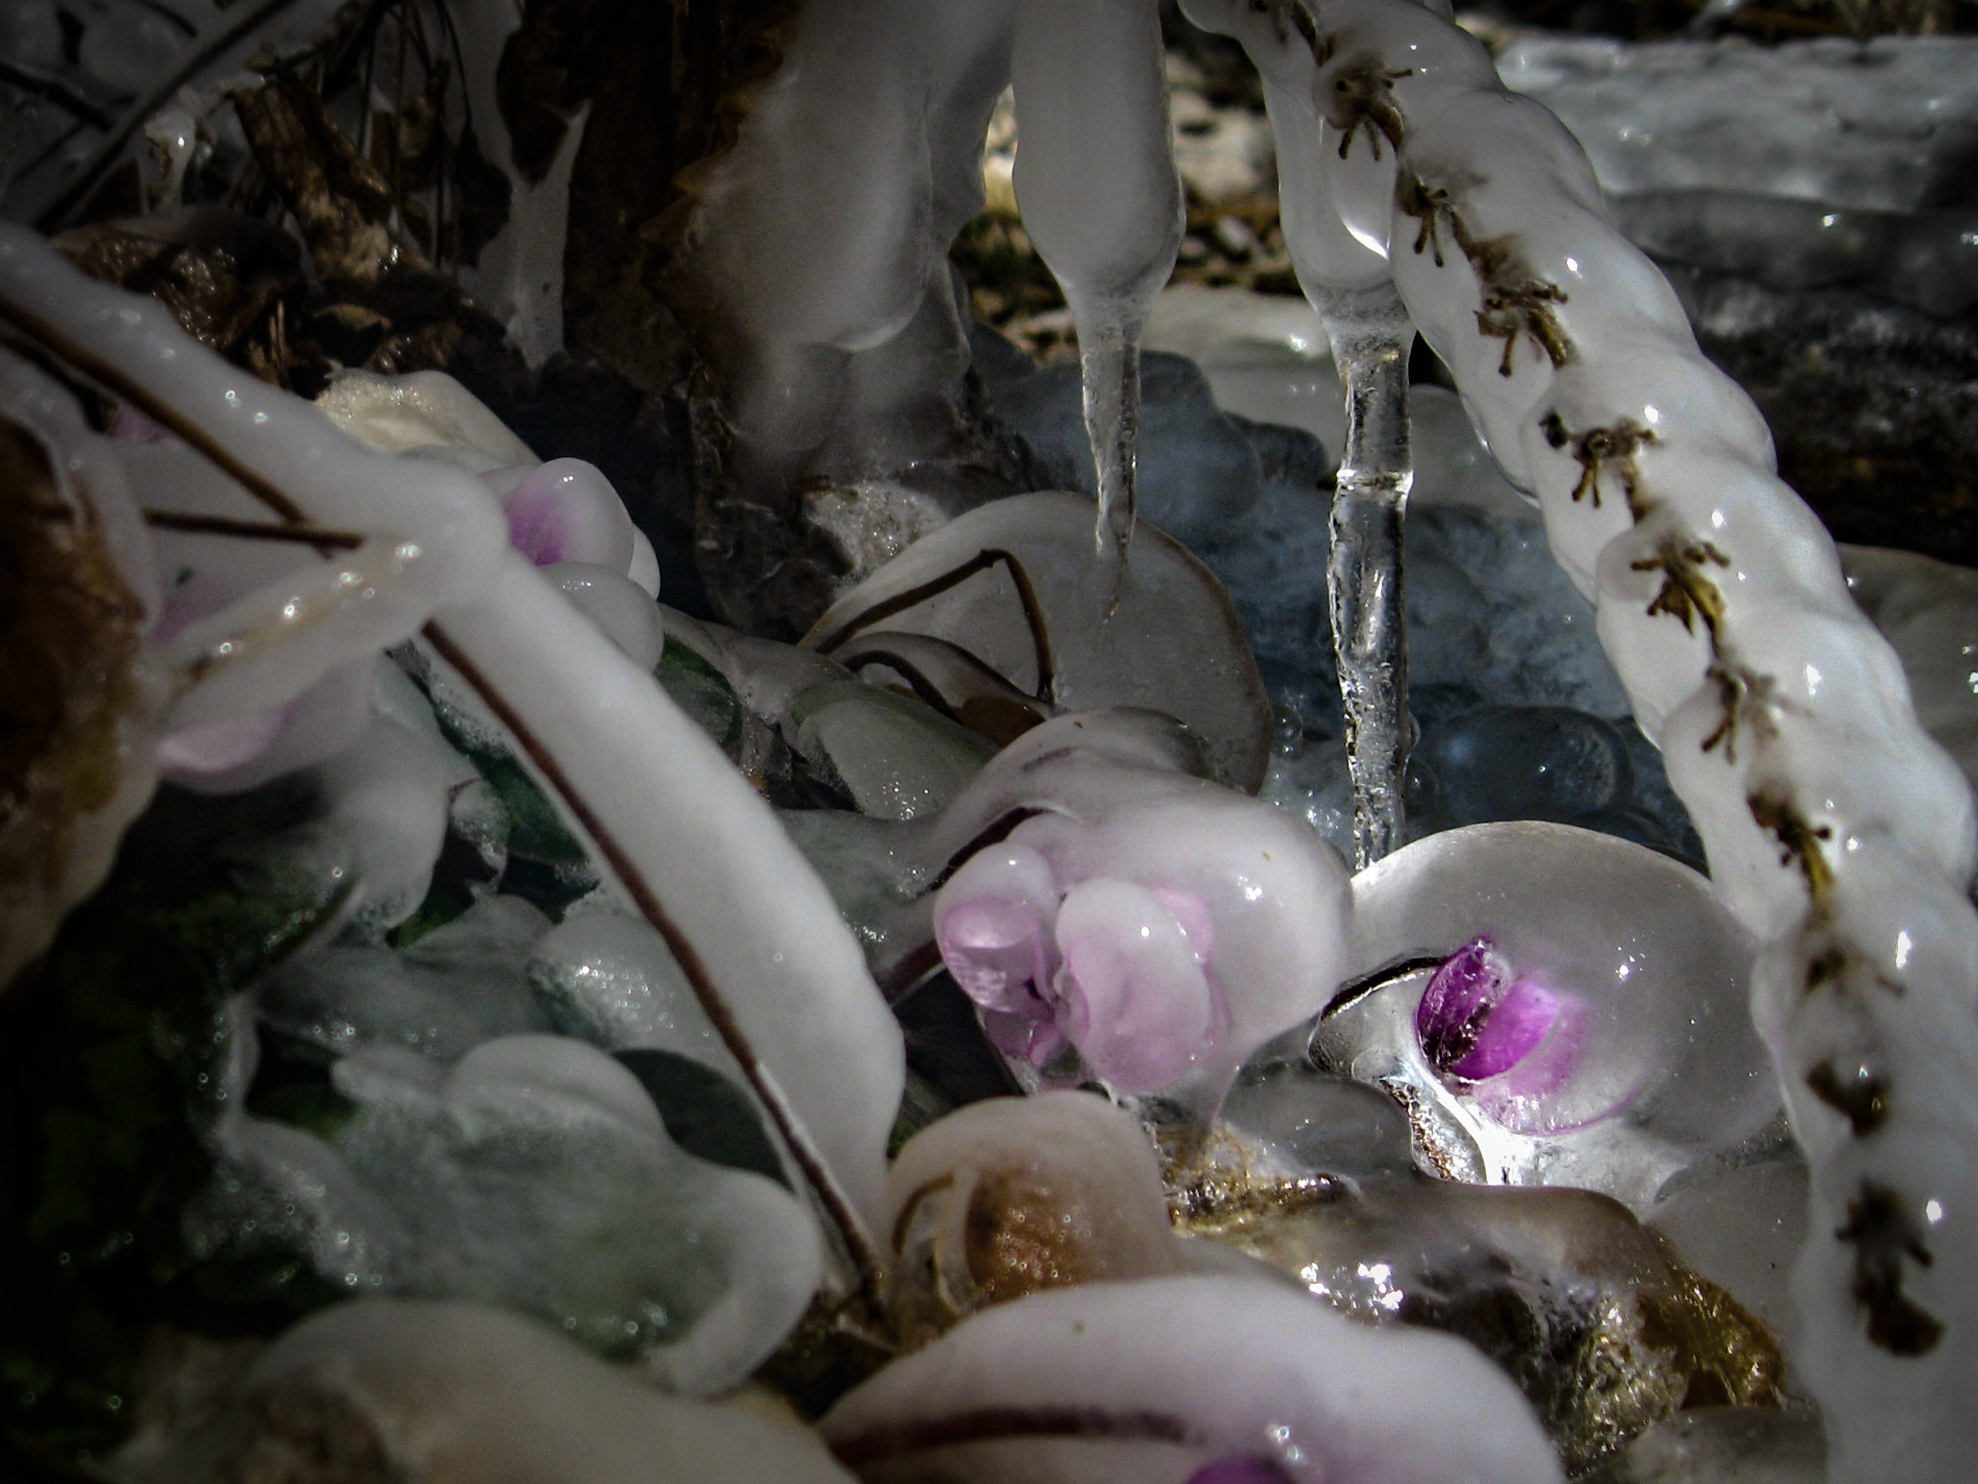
(69, 631)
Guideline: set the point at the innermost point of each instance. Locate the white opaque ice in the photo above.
(466, 1391)
(623, 612)
(1221, 1366)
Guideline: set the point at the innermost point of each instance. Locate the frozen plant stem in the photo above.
(1363, 576)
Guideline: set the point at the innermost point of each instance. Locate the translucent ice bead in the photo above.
(1530, 762)
(1586, 1025)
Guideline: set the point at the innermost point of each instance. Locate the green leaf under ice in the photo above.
(110, 1052)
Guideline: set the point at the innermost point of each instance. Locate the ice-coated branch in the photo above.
(705, 862)
(1837, 830)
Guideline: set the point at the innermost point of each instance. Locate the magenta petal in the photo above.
(1508, 1032)
(1240, 1468)
(564, 511)
(1460, 994)
(1544, 1067)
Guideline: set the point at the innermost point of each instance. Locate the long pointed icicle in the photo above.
(1352, 288)
(1096, 182)
(1370, 339)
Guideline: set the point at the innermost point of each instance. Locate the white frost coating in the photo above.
(1834, 827)
(1096, 182)
(458, 1391)
(429, 534)
(682, 829)
(1217, 1365)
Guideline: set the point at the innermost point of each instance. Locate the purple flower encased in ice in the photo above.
(1479, 1023)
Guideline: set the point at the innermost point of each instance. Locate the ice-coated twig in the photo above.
(1836, 829)
(430, 534)
(198, 57)
(705, 862)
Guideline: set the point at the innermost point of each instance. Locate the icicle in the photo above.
(1370, 338)
(1096, 182)
(1349, 283)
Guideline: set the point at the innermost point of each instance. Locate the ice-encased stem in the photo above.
(1364, 573)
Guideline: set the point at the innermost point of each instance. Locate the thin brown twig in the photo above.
(913, 597)
(247, 530)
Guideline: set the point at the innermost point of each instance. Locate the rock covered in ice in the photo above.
(1888, 124)
(1598, 1322)
(1266, 357)
(1163, 1377)
(1197, 474)
(535, 1172)
(447, 1393)
(1724, 1445)
(1739, 1218)
(1925, 259)
(1530, 762)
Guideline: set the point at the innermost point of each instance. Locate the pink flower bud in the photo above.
(1132, 995)
(564, 511)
